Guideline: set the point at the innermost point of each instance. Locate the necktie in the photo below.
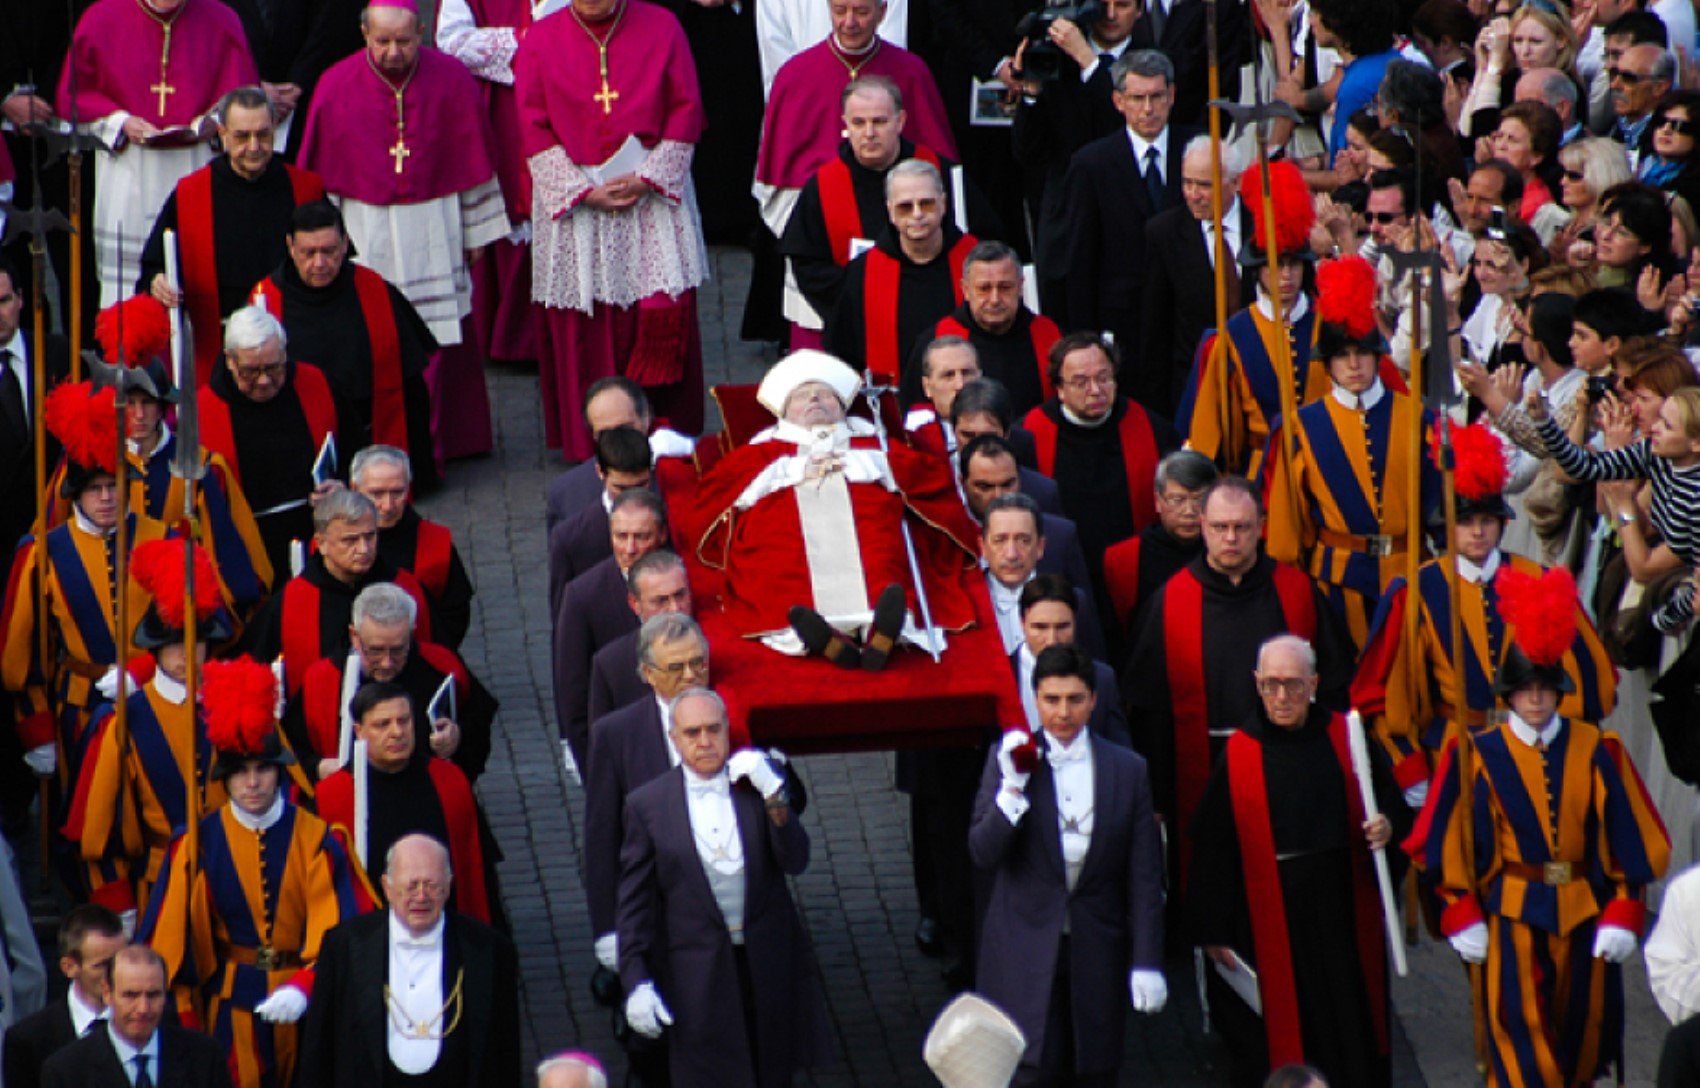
(1153, 179)
(140, 1061)
(12, 414)
(1159, 16)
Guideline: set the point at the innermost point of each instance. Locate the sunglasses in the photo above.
(1384, 218)
(1676, 124)
(1573, 175)
(1625, 76)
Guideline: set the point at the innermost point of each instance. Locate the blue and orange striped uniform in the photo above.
(131, 797)
(55, 697)
(1564, 838)
(1227, 417)
(1405, 692)
(245, 917)
(1342, 510)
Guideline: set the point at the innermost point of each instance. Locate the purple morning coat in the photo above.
(614, 679)
(672, 932)
(593, 612)
(569, 491)
(627, 750)
(575, 545)
(1115, 913)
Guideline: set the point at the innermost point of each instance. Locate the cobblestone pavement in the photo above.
(857, 897)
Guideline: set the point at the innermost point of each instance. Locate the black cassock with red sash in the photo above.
(889, 300)
(427, 551)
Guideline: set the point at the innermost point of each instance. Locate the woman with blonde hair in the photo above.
(1589, 167)
(1536, 35)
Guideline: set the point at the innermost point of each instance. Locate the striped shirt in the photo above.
(1676, 499)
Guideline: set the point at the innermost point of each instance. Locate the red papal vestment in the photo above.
(786, 533)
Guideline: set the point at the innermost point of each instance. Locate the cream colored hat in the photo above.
(974, 1044)
(807, 365)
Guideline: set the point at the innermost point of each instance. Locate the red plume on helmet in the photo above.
(1345, 295)
(157, 566)
(138, 330)
(85, 422)
(1478, 461)
(240, 700)
(1290, 196)
(1540, 610)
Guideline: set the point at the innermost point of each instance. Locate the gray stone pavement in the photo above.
(856, 898)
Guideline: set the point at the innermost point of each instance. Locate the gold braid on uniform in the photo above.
(421, 1029)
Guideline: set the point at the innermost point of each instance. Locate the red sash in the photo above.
(431, 551)
(320, 693)
(200, 265)
(1121, 577)
(881, 352)
(838, 203)
(1183, 611)
(1139, 457)
(300, 632)
(1271, 950)
(311, 390)
(389, 408)
(1041, 330)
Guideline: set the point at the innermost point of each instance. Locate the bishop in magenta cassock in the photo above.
(399, 137)
(616, 256)
(142, 77)
(802, 128)
(484, 35)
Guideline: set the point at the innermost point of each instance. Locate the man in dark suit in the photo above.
(712, 950)
(293, 42)
(414, 993)
(1180, 289)
(1064, 829)
(987, 469)
(580, 542)
(1113, 187)
(135, 1050)
(609, 402)
(18, 499)
(88, 939)
(1012, 545)
(594, 611)
(1176, 28)
(1048, 604)
(984, 406)
(656, 583)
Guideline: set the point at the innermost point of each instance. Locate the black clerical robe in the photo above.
(1136, 568)
(308, 618)
(230, 233)
(376, 359)
(1189, 677)
(426, 550)
(888, 300)
(295, 42)
(1018, 357)
(1280, 825)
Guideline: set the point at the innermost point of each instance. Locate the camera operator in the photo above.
(1064, 73)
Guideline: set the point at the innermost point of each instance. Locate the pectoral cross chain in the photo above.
(399, 153)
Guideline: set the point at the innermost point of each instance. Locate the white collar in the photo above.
(20, 355)
(167, 688)
(1301, 307)
(81, 521)
(810, 437)
(862, 52)
(1116, 50)
(1080, 748)
(402, 937)
(1529, 735)
(1089, 424)
(1141, 145)
(1005, 596)
(127, 1051)
(1482, 574)
(607, 501)
(1230, 220)
(82, 1013)
(719, 783)
(1366, 400)
(159, 443)
(1025, 658)
(265, 820)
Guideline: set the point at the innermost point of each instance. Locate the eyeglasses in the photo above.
(1676, 124)
(1625, 76)
(427, 887)
(1275, 685)
(677, 668)
(1084, 382)
(924, 206)
(1189, 500)
(1574, 175)
(1384, 218)
(255, 373)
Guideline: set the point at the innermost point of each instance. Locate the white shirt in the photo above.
(1479, 575)
(82, 1015)
(1533, 737)
(168, 689)
(127, 1053)
(1366, 400)
(1024, 662)
(1072, 779)
(1673, 949)
(1300, 307)
(1230, 232)
(667, 731)
(20, 365)
(416, 997)
(1141, 146)
(1006, 602)
(264, 821)
(708, 802)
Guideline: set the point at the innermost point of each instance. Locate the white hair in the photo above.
(1234, 161)
(1288, 642)
(594, 1077)
(380, 455)
(385, 604)
(253, 327)
(914, 168)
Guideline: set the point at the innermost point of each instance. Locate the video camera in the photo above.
(1043, 61)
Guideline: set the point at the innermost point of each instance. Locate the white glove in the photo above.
(777, 758)
(1012, 740)
(667, 443)
(284, 1006)
(127, 919)
(754, 766)
(1150, 990)
(570, 765)
(43, 759)
(1417, 795)
(1614, 944)
(646, 1013)
(107, 685)
(282, 703)
(608, 951)
(1471, 943)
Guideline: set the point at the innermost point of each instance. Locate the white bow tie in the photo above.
(1059, 755)
(718, 786)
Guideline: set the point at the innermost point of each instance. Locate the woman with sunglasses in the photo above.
(1668, 159)
(1588, 167)
(1632, 234)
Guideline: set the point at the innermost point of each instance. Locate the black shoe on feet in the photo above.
(927, 937)
(821, 637)
(887, 626)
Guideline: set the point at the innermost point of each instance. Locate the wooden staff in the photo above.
(1221, 255)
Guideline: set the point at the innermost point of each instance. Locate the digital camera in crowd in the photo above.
(1043, 61)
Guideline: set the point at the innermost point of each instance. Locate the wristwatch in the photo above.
(1624, 517)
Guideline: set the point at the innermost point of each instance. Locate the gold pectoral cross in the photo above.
(162, 88)
(606, 96)
(399, 153)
